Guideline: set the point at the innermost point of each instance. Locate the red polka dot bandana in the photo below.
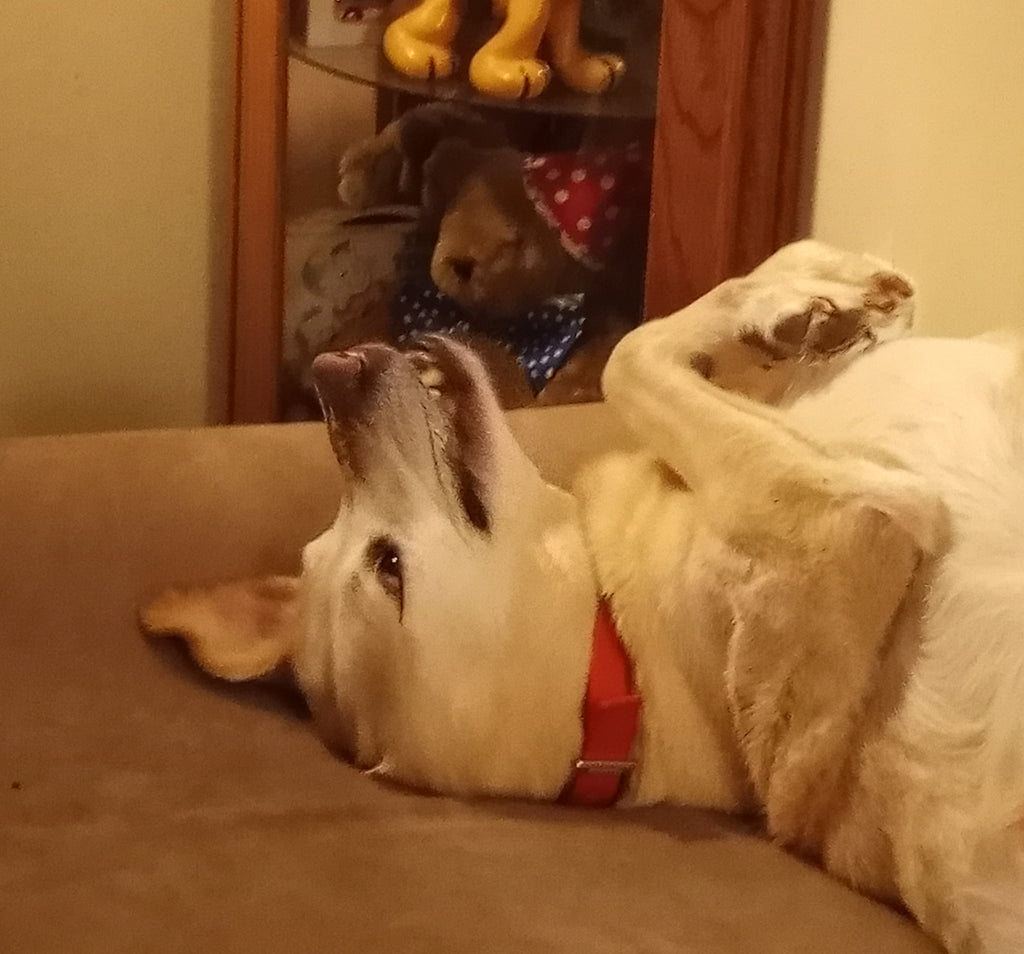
(585, 196)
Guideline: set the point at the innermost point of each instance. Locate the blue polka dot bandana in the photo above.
(541, 339)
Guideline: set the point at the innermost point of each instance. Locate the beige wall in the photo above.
(325, 115)
(115, 166)
(922, 150)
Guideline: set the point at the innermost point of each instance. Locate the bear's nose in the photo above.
(462, 268)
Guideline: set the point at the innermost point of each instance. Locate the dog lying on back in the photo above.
(807, 582)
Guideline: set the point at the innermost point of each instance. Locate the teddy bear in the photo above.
(511, 250)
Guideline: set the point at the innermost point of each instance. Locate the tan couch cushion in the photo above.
(145, 809)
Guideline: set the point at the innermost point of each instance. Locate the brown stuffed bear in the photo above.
(509, 251)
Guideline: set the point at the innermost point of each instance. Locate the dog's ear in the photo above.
(236, 631)
(812, 626)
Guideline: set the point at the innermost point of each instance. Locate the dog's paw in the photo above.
(821, 327)
(770, 327)
(887, 292)
(594, 74)
(815, 332)
(508, 77)
(812, 301)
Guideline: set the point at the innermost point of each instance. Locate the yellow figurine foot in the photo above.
(597, 73)
(419, 42)
(419, 59)
(508, 78)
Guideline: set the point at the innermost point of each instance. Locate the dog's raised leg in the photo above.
(823, 549)
(658, 379)
(418, 43)
(583, 71)
(506, 66)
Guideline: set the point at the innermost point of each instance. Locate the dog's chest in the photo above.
(658, 563)
(666, 577)
(637, 520)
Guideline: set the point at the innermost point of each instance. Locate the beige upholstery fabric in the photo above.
(146, 809)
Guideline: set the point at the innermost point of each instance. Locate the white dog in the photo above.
(813, 610)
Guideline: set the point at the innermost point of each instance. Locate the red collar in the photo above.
(611, 719)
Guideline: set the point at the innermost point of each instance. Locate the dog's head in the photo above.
(411, 593)
(420, 628)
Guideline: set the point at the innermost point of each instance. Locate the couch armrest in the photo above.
(117, 515)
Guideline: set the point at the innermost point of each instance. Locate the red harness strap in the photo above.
(611, 719)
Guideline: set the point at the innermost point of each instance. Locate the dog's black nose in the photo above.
(463, 268)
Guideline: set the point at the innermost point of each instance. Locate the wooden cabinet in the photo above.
(729, 111)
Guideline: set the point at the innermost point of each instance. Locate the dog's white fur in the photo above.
(823, 600)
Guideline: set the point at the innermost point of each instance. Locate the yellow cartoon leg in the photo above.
(418, 43)
(585, 72)
(506, 65)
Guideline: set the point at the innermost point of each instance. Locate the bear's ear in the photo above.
(370, 170)
(452, 162)
(422, 129)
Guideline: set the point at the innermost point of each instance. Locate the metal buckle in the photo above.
(605, 766)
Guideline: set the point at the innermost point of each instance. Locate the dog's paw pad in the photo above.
(836, 331)
(789, 335)
(817, 332)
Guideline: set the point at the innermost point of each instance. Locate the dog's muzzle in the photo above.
(347, 381)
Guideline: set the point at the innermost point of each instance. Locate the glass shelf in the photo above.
(633, 99)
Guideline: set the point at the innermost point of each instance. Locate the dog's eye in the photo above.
(386, 563)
